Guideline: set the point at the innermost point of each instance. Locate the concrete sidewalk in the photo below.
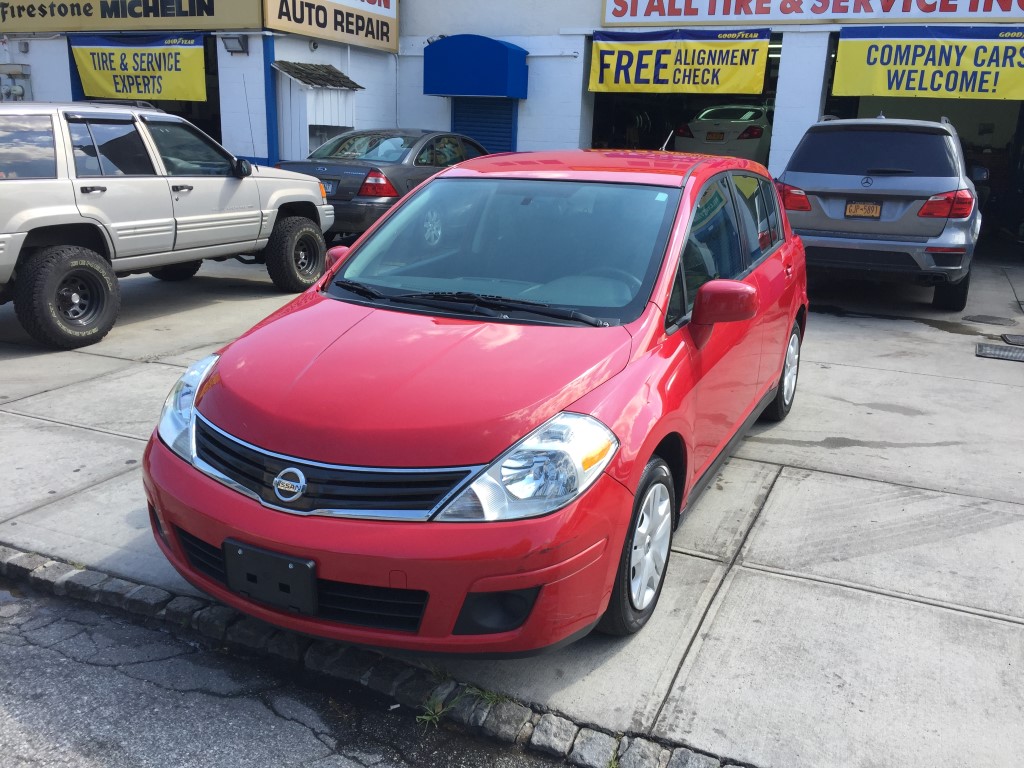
(849, 592)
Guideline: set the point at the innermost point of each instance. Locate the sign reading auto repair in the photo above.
(931, 62)
(367, 23)
(128, 15)
(143, 67)
(677, 13)
(677, 61)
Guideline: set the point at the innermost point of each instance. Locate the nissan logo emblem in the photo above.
(289, 484)
(867, 181)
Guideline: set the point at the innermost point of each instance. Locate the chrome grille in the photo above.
(330, 489)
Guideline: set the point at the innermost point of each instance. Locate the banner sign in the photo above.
(931, 62)
(146, 67)
(367, 23)
(128, 15)
(677, 61)
(680, 13)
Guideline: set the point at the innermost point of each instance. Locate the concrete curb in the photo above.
(435, 700)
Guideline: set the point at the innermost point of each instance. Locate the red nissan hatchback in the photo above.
(477, 432)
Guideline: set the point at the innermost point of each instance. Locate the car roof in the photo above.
(79, 106)
(622, 165)
(896, 124)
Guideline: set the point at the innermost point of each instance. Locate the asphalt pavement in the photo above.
(848, 592)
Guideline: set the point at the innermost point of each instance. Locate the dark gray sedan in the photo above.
(366, 172)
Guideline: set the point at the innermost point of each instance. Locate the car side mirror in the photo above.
(242, 168)
(336, 254)
(724, 301)
(979, 173)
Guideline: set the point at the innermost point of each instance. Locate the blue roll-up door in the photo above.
(492, 122)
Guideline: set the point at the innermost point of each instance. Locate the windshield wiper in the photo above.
(887, 171)
(450, 301)
(361, 289)
(483, 300)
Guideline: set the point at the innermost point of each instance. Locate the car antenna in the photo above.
(667, 140)
(881, 116)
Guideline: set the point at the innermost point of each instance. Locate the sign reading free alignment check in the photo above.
(366, 23)
(677, 61)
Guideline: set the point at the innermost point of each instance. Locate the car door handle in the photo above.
(90, 190)
(181, 188)
(789, 269)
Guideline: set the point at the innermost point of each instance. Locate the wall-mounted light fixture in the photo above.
(23, 46)
(235, 43)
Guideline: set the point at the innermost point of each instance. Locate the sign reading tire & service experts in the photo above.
(141, 67)
(366, 23)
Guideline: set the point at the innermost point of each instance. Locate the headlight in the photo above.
(175, 427)
(541, 473)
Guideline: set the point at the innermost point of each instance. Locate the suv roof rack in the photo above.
(125, 103)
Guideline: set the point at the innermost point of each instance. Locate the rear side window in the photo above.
(874, 152)
(27, 149)
(109, 149)
(758, 215)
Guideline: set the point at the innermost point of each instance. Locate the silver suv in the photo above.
(89, 193)
(886, 199)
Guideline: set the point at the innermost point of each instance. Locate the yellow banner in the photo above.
(127, 15)
(679, 62)
(164, 68)
(367, 23)
(968, 63)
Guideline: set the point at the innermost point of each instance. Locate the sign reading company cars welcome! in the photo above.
(675, 13)
(369, 23)
(143, 67)
(935, 62)
(128, 15)
(677, 61)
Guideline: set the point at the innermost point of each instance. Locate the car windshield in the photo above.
(533, 250)
(381, 147)
(731, 113)
(868, 152)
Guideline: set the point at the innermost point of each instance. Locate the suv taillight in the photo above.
(376, 184)
(958, 204)
(752, 132)
(793, 198)
(684, 132)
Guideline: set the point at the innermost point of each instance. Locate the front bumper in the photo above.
(326, 217)
(571, 555)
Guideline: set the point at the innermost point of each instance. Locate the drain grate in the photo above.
(1015, 339)
(990, 320)
(1000, 353)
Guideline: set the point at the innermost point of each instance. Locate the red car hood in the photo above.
(341, 383)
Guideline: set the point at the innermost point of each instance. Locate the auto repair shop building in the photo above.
(282, 75)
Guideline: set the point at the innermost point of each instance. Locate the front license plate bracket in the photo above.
(270, 577)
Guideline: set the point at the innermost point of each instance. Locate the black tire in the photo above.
(296, 254)
(625, 615)
(67, 297)
(174, 273)
(952, 298)
(782, 403)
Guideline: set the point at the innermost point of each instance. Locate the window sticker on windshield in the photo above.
(661, 197)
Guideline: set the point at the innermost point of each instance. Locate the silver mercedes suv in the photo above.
(887, 200)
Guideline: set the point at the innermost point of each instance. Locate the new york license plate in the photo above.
(714, 136)
(863, 210)
(329, 186)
